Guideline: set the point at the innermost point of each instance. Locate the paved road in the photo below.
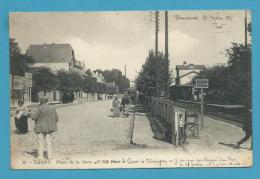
(88, 130)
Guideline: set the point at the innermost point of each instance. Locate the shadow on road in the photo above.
(19, 132)
(34, 153)
(232, 146)
(130, 146)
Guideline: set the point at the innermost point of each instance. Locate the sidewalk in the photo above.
(217, 137)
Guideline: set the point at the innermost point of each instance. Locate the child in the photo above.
(21, 123)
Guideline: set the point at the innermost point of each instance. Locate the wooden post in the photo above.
(166, 65)
(201, 109)
(157, 90)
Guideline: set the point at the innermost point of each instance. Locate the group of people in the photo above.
(45, 118)
(67, 98)
(118, 106)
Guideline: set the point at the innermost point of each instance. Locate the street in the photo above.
(88, 130)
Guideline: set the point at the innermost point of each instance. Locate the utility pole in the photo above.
(166, 57)
(157, 75)
(246, 28)
(156, 61)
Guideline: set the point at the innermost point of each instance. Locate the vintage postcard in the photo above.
(144, 89)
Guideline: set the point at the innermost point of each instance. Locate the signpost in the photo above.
(28, 79)
(28, 84)
(202, 84)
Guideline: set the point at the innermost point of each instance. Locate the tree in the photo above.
(231, 83)
(123, 84)
(240, 74)
(43, 80)
(100, 88)
(146, 80)
(116, 76)
(217, 76)
(18, 61)
(69, 81)
(89, 82)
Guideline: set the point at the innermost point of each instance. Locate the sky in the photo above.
(107, 40)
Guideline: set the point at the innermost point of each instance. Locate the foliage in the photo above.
(116, 76)
(18, 61)
(100, 88)
(89, 84)
(231, 83)
(43, 80)
(69, 81)
(146, 80)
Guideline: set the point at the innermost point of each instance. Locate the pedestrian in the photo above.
(21, 118)
(46, 120)
(116, 107)
(247, 128)
(124, 102)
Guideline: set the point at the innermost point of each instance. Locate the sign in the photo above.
(19, 82)
(28, 79)
(202, 83)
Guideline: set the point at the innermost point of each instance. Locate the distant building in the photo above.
(183, 88)
(100, 78)
(185, 73)
(56, 57)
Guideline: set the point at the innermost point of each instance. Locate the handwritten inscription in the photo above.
(217, 20)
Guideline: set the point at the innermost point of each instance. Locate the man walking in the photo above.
(46, 119)
(247, 127)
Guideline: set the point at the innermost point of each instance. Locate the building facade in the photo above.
(183, 88)
(55, 57)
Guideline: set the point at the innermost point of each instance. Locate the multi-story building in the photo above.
(56, 57)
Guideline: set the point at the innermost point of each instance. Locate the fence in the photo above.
(168, 118)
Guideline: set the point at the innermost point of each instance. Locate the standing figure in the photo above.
(21, 118)
(124, 102)
(46, 119)
(247, 128)
(181, 123)
(116, 107)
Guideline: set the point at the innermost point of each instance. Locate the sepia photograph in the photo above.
(130, 89)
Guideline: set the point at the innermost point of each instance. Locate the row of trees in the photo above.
(231, 83)
(67, 82)
(146, 80)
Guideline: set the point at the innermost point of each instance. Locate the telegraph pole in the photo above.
(157, 91)
(166, 57)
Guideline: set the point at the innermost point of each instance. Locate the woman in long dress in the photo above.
(116, 107)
